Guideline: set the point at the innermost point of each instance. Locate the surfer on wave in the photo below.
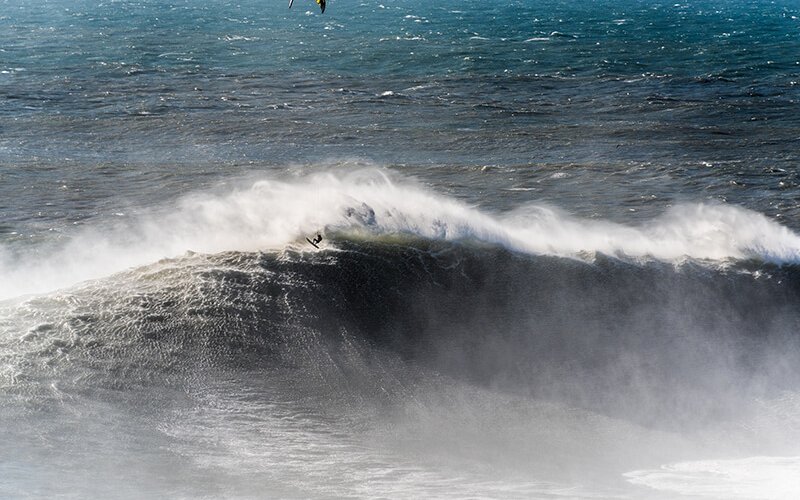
(315, 241)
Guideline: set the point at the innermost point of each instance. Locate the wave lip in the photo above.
(710, 232)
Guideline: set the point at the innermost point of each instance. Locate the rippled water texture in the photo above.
(628, 105)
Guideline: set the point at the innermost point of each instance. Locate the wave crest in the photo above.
(273, 214)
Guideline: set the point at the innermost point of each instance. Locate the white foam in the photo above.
(696, 231)
(271, 214)
(752, 478)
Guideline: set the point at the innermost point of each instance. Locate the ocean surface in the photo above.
(560, 255)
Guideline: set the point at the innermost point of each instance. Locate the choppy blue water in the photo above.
(478, 147)
(684, 99)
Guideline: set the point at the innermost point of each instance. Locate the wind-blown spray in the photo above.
(272, 214)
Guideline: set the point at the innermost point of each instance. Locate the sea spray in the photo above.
(270, 214)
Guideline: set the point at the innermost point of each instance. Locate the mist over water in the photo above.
(559, 258)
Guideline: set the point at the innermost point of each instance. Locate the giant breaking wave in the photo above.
(419, 308)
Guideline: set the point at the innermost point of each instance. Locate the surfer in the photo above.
(315, 241)
(321, 4)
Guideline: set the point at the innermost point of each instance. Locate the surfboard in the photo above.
(315, 245)
(290, 3)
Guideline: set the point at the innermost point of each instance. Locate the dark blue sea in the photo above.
(560, 249)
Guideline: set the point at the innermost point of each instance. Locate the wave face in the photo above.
(428, 349)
